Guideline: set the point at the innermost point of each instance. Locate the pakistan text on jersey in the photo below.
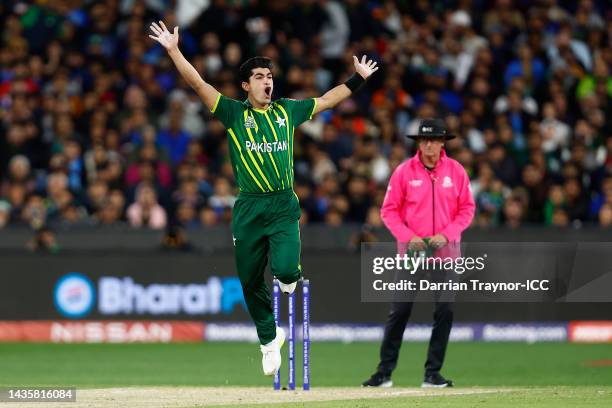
(267, 147)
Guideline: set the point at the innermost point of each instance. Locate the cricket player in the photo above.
(428, 203)
(266, 213)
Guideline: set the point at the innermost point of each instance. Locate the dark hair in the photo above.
(246, 69)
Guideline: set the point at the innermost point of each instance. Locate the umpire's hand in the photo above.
(438, 241)
(417, 244)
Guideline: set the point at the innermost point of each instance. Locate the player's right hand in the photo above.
(167, 39)
(417, 244)
(363, 67)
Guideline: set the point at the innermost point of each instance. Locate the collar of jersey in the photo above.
(248, 103)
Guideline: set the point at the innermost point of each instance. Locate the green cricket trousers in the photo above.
(265, 224)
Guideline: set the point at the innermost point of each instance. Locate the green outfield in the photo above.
(541, 375)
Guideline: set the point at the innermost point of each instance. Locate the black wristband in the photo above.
(355, 82)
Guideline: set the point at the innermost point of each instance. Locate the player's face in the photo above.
(430, 147)
(260, 86)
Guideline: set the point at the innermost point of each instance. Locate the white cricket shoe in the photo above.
(287, 288)
(271, 360)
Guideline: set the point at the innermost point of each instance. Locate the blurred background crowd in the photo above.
(97, 127)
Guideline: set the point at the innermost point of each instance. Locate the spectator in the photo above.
(373, 218)
(534, 181)
(58, 195)
(490, 201)
(321, 165)
(577, 202)
(526, 66)
(484, 177)
(110, 213)
(566, 47)
(359, 199)
(174, 138)
(97, 194)
(187, 216)
(149, 167)
(556, 200)
(103, 165)
(555, 133)
(16, 197)
(333, 218)
(222, 197)
(117, 200)
(513, 213)
(601, 198)
(146, 211)
(605, 216)
(191, 110)
(502, 165)
(461, 24)
(208, 217)
(188, 194)
(19, 172)
(35, 213)
(5, 213)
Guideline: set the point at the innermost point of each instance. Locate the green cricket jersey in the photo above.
(261, 141)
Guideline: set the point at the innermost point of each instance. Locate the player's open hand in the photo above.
(363, 68)
(167, 39)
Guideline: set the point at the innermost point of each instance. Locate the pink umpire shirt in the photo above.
(426, 203)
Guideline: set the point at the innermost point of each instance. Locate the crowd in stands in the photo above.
(98, 128)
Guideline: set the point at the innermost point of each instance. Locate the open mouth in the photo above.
(268, 91)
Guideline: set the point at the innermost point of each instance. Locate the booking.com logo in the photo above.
(75, 295)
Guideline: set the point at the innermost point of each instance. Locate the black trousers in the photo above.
(394, 333)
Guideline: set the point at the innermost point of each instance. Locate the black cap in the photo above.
(432, 128)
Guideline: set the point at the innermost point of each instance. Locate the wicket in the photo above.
(291, 339)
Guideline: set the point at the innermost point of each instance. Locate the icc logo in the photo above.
(74, 295)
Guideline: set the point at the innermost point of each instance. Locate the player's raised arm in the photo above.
(169, 41)
(363, 70)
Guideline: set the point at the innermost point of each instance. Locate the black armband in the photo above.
(355, 82)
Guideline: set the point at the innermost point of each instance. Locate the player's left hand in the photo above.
(438, 241)
(363, 68)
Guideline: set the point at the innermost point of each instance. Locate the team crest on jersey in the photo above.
(249, 123)
(447, 182)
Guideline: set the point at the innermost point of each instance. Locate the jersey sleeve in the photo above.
(227, 110)
(301, 110)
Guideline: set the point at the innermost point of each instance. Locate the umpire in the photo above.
(428, 203)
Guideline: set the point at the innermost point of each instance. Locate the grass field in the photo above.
(486, 374)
